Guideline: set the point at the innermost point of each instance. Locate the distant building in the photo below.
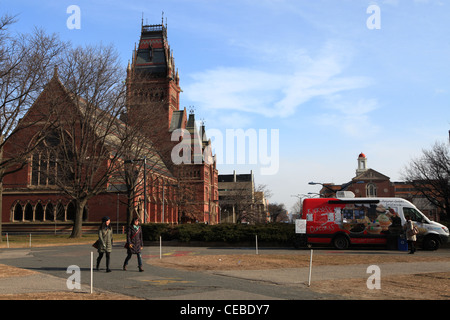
(371, 183)
(239, 201)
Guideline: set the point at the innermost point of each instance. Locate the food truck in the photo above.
(342, 222)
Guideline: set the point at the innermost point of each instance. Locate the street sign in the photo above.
(300, 226)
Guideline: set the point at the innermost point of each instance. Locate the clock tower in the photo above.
(153, 108)
(153, 84)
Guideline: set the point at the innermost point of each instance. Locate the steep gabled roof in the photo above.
(113, 137)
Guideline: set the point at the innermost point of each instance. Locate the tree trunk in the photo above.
(77, 230)
(130, 209)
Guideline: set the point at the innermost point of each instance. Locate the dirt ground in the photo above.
(430, 286)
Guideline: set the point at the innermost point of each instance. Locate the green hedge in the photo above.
(281, 233)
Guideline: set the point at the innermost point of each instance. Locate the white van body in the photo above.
(345, 221)
(431, 233)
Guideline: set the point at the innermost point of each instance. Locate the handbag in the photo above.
(127, 245)
(413, 231)
(96, 243)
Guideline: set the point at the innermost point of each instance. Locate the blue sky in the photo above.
(311, 70)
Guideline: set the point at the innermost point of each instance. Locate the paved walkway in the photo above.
(155, 283)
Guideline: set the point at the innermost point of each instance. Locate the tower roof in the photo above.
(153, 55)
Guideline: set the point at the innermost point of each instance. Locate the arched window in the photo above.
(39, 212)
(371, 190)
(85, 213)
(49, 212)
(35, 169)
(60, 212)
(43, 162)
(71, 211)
(18, 212)
(28, 212)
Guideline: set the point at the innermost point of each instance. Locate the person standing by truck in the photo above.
(410, 234)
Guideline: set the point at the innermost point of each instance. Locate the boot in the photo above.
(140, 269)
(124, 267)
(107, 265)
(98, 264)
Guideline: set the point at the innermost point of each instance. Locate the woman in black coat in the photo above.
(135, 243)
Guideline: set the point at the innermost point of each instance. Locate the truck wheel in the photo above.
(431, 243)
(340, 242)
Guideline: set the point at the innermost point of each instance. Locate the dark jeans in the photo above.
(412, 246)
(139, 258)
(100, 256)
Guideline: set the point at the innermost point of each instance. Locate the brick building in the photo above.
(31, 199)
(371, 183)
(153, 85)
(182, 193)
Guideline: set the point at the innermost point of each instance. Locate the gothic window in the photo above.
(60, 212)
(35, 169)
(49, 212)
(43, 168)
(28, 212)
(18, 212)
(85, 214)
(71, 211)
(39, 212)
(371, 190)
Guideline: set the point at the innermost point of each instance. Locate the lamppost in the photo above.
(144, 160)
(323, 185)
(342, 187)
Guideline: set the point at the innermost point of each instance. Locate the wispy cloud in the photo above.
(278, 88)
(349, 117)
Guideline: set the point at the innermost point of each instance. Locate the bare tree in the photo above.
(89, 148)
(430, 175)
(246, 202)
(142, 165)
(278, 212)
(26, 61)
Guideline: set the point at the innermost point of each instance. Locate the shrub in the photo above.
(280, 233)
